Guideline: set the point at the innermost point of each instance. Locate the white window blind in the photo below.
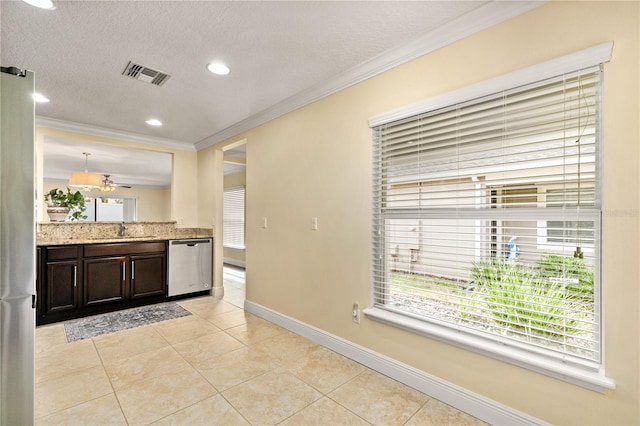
(233, 217)
(462, 196)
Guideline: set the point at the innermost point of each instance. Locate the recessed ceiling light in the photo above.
(42, 4)
(153, 122)
(40, 98)
(218, 68)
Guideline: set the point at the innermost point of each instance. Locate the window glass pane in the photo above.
(109, 209)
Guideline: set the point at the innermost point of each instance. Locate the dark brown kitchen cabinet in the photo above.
(81, 280)
(105, 280)
(132, 271)
(148, 275)
(62, 286)
(62, 269)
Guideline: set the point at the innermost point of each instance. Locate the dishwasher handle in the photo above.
(190, 243)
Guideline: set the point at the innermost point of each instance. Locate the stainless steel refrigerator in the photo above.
(17, 247)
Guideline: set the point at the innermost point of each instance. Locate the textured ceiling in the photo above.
(276, 50)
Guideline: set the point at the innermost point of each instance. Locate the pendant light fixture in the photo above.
(107, 184)
(85, 180)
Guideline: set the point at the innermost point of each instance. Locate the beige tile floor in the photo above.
(219, 366)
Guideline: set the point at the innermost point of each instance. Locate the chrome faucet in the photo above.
(123, 229)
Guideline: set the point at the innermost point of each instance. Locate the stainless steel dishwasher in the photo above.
(190, 263)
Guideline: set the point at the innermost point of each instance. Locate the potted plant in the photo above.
(60, 203)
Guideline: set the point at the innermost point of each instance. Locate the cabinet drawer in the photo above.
(121, 249)
(63, 252)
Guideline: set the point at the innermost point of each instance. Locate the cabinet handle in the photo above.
(133, 269)
(124, 270)
(75, 276)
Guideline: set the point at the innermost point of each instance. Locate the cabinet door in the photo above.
(105, 280)
(148, 275)
(62, 283)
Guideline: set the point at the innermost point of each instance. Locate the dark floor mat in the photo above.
(86, 328)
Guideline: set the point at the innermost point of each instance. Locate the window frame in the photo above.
(581, 372)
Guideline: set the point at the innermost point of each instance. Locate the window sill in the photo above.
(233, 247)
(587, 375)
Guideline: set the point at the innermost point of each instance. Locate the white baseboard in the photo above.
(217, 292)
(475, 404)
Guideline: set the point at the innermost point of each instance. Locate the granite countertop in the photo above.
(125, 239)
(99, 233)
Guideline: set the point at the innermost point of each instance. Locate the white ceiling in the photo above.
(277, 51)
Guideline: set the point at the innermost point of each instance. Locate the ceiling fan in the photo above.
(107, 185)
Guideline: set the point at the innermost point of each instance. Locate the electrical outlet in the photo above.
(264, 222)
(314, 223)
(355, 313)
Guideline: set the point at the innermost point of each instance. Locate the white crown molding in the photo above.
(110, 133)
(458, 397)
(483, 17)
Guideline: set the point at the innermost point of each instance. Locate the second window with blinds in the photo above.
(487, 218)
(233, 217)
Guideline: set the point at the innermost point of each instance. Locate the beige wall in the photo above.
(184, 189)
(152, 205)
(207, 175)
(235, 179)
(316, 161)
(209, 206)
(184, 182)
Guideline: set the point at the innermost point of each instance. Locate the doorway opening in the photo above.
(233, 223)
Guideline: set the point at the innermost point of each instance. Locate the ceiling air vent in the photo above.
(146, 74)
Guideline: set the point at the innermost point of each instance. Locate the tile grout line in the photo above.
(418, 410)
(218, 392)
(115, 393)
(351, 379)
(251, 347)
